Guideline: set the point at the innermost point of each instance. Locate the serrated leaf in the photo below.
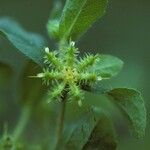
(108, 66)
(78, 16)
(30, 44)
(131, 104)
(95, 131)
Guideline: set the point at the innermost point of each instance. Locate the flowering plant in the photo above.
(67, 78)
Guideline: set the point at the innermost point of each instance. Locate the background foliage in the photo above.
(123, 32)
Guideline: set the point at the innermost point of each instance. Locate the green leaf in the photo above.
(79, 15)
(16, 62)
(12, 58)
(103, 136)
(108, 66)
(100, 87)
(53, 28)
(53, 22)
(95, 131)
(131, 104)
(30, 44)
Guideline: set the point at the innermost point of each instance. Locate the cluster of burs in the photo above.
(67, 74)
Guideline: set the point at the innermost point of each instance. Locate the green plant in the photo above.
(68, 77)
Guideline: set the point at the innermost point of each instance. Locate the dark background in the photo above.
(123, 32)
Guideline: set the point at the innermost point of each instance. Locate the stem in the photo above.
(60, 123)
(24, 118)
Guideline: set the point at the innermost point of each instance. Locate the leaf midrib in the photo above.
(69, 30)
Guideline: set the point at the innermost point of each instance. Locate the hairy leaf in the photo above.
(95, 131)
(79, 15)
(30, 44)
(108, 66)
(132, 106)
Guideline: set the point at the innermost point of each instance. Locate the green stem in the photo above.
(60, 123)
(24, 118)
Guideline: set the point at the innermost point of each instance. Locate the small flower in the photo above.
(99, 78)
(46, 50)
(72, 43)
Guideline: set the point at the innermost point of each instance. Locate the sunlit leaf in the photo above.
(79, 15)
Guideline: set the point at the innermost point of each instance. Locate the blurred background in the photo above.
(124, 32)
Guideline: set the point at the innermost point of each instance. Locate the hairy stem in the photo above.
(24, 118)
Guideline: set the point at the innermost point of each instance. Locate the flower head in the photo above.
(67, 72)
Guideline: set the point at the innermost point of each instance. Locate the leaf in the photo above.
(131, 104)
(95, 131)
(53, 22)
(100, 87)
(108, 66)
(30, 44)
(102, 137)
(53, 28)
(78, 16)
(12, 58)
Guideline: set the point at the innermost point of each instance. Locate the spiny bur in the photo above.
(64, 72)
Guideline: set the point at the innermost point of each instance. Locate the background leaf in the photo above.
(30, 44)
(100, 87)
(108, 66)
(103, 136)
(79, 15)
(53, 22)
(37, 90)
(95, 131)
(5, 80)
(131, 104)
